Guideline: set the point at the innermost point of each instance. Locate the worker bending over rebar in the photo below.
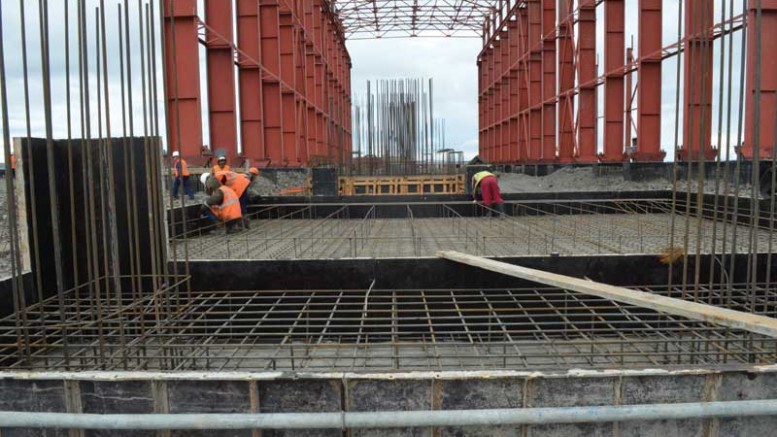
(222, 204)
(239, 183)
(485, 185)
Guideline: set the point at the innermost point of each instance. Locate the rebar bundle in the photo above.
(395, 129)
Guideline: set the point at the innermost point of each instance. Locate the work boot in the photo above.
(501, 210)
(246, 223)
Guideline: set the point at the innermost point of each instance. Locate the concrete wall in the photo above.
(276, 392)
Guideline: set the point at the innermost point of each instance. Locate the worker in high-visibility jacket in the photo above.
(181, 176)
(252, 174)
(486, 185)
(13, 165)
(222, 204)
(239, 184)
(221, 165)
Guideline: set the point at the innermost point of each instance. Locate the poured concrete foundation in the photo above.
(283, 392)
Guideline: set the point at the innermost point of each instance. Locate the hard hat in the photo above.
(222, 158)
(204, 178)
(254, 171)
(176, 154)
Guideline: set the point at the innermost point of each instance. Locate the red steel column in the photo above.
(288, 74)
(535, 75)
(586, 67)
(523, 84)
(649, 82)
(761, 129)
(221, 78)
(614, 90)
(499, 91)
(566, 71)
(514, 155)
(319, 99)
(488, 104)
(272, 109)
(698, 73)
(481, 108)
(310, 87)
(549, 66)
(184, 108)
(250, 80)
(504, 125)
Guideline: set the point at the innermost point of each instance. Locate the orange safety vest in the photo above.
(237, 182)
(217, 169)
(13, 162)
(230, 207)
(184, 168)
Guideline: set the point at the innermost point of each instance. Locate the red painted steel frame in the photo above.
(586, 64)
(250, 80)
(759, 125)
(697, 72)
(293, 75)
(221, 79)
(614, 89)
(566, 71)
(182, 68)
(525, 128)
(649, 81)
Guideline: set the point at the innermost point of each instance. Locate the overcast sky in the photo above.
(450, 62)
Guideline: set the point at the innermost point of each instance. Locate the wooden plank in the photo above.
(668, 305)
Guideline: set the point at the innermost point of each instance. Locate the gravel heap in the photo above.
(570, 179)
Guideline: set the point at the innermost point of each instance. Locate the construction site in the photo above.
(366, 283)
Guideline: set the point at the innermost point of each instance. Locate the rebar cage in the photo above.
(369, 330)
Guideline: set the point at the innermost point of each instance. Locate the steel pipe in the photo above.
(391, 419)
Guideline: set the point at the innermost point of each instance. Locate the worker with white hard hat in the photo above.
(181, 176)
(221, 164)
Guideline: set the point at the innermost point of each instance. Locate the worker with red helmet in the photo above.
(181, 176)
(486, 185)
(222, 204)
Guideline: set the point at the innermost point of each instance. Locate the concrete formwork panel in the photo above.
(141, 393)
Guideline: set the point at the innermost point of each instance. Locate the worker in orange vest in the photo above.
(222, 205)
(221, 165)
(181, 174)
(239, 184)
(252, 174)
(13, 166)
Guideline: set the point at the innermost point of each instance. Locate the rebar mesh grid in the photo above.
(625, 227)
(365, 330)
